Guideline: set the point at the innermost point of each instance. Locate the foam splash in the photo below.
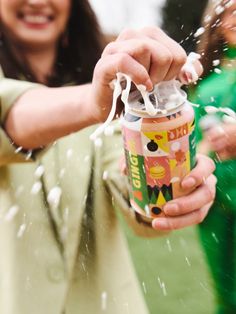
(229, 112)
(189, 65)
(199, 32)
(116, 93)
(171, 89)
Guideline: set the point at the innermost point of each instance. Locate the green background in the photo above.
(173, 273)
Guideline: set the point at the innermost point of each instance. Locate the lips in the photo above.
(35, 18)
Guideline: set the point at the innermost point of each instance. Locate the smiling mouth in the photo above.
(37, 19)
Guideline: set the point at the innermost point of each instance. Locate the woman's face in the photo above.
(35, 23)
(229, 24)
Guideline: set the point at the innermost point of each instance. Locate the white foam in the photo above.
(219, 9)
(170, 90)
(217, 71)
(37, 186)
(199, 32)
(215, 62)
(39, 171)
(54, 196)
(13, 210)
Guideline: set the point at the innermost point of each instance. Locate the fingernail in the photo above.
(149, 85)
(160, 223)
(188, 182)
(171, 209)
(187, 77)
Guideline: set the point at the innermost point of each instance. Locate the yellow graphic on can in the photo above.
(157, 172)
(161, 200)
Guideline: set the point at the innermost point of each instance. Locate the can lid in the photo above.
(166, 97)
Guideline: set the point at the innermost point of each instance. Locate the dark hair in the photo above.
(212, 42)
(180, 20)
(76, 57)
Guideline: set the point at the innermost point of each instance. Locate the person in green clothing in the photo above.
(216, 95)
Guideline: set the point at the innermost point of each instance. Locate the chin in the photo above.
(37, 41)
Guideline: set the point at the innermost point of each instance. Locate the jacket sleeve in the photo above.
(117, 183)
(10, 90)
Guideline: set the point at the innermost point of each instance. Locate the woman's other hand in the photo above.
(222, 140)
(191, 209)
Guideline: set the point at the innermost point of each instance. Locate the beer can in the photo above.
(159, 150)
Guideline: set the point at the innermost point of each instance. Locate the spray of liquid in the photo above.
(169, 91)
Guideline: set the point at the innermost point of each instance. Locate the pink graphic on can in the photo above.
(133, 141)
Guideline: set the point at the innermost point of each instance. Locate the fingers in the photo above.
(202, 195)
(186, 77)
(222, 137)
(155, 57)
(179, 56)
(190, 210)
(205, 166)
(161, 56)
(107, 67)
(174, 223)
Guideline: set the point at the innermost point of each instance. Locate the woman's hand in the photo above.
(148, 56)
(200, 184)
(222, 140)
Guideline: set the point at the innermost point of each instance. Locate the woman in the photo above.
(62, 247)
(218, 89)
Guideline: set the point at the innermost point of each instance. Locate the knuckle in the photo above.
(122, 60)
(98, 68)
(166, 58)
(150, 30)
(209, 192)
(184, 206)
(127, 33)
(212, 164)
(144, 48)
(180, 58)
(108, 49)
(201, 216)
(208, 160)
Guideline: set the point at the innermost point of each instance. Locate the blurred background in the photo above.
(172, 271)
(179, 18)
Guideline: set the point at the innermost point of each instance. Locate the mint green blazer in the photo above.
(67, 254)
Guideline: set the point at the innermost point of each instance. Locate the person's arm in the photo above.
(41, 116)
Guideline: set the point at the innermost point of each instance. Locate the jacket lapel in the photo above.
(68, 166)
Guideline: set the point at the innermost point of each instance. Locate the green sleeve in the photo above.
(10, 90)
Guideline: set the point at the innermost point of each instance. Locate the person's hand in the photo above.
(190, 209)
(148, 56)
(222, 140)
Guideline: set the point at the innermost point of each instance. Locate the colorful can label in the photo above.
(159, 152)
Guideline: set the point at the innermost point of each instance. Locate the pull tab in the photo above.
(149, 106)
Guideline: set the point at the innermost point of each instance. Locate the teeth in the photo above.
(36, 19)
